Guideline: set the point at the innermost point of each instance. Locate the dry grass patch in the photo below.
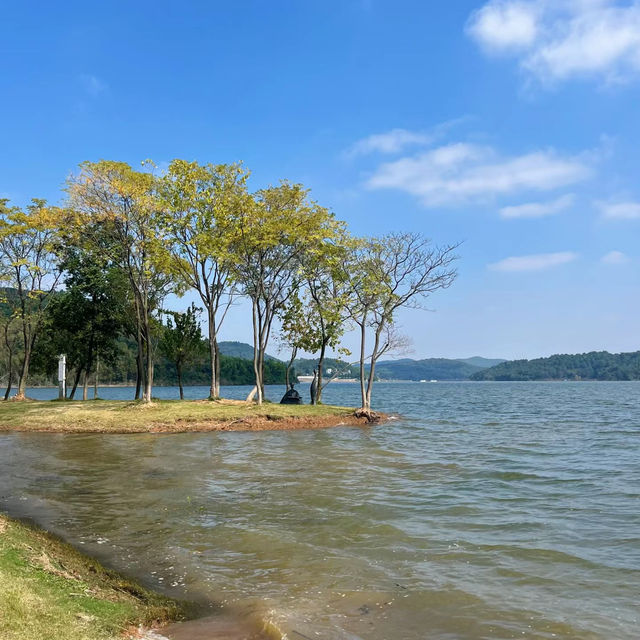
(114, 416)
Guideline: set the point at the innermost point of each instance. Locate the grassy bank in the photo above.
(118, 416)
(49, 591)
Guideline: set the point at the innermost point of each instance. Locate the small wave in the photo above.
(514, 475)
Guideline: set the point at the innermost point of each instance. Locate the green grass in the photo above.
(50, 591)
(119, 416)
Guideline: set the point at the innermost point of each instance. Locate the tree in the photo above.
(118, 213)
(269, 239)
(86, 319)
(30, 265)
(181, 339)
(326, 284)
(316, 321)
(9, 345)
(398, 270)
(199, 201)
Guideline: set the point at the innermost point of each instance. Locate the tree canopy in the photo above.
(90, 278)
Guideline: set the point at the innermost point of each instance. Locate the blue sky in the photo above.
(510, 125)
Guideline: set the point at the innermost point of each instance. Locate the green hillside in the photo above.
(406, 368)
(596, 365)
(427, 369)
(482, 363)
(239, 350)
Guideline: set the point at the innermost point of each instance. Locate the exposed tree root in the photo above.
(370, 416)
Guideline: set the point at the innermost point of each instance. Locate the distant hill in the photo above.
(239, 350)
(482, 363)
(427, 369)
(7, 294)
(407, 368)
(596, 365)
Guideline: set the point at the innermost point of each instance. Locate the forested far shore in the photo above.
(595, 365)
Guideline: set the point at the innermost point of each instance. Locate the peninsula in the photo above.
(168, 416)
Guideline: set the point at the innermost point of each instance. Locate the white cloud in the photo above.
(620, 210)
(501, 26)
(614, 257)
(398, 139)
(559, 39)
(538, 209)
(536, 262)
(392, 141)
(460, 172)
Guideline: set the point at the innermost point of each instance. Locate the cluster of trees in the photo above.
(596, 365)
(100, 267)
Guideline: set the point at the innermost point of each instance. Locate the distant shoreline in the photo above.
(420, 382)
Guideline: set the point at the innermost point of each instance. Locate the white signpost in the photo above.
(62, 376)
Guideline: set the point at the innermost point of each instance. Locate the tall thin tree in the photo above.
(198, 203)
(270, 239)
(120, 206)
(398, 270)
(30, 265)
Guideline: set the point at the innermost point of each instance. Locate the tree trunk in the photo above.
(95, 380)
(261, 366)
(372, 367)
(27, 342)
(85, 385)
(139, 374)
(363, 395)
(217, 387)
(76, 380)
(8, 391)
(256, 352)
(10, 361)
(179, 372)
(252, 394)
(323, 350)
(370, 384)
(24, 373)
(214, 387)
(148, 356)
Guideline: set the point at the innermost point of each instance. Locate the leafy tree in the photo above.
(86, 319)
(270, 238)
(181, 340)
(326, 284)
(118, 213)
(29, 264)
(9, 347)
(314, 323)
(199, 200)
(396, 271)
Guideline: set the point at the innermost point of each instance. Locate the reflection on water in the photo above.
(495, 511)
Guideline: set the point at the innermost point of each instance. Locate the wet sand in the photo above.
(219, 627)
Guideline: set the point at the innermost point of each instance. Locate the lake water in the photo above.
(486, 510)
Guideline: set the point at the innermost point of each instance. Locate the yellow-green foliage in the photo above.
(161, 415)
(49, 591)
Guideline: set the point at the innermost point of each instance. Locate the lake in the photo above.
(484, 510)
